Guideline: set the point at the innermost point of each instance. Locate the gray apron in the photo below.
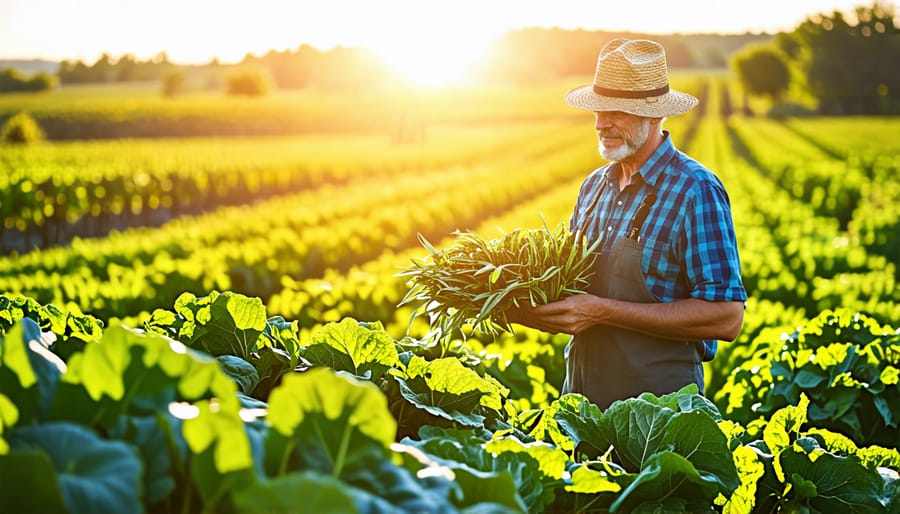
(607, 363)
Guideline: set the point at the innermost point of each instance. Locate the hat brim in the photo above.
(671, 103)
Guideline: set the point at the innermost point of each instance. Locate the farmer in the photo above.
(667, 280)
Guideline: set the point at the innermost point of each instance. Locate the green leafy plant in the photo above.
(794, 468)
(66, 332)
(131, 418)
(231, 324)
(477, 280)
(844, 362)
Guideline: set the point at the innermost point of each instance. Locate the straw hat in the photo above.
(632, 77)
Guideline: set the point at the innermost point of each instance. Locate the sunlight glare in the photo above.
(434, 61)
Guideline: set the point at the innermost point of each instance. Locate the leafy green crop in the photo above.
(231, 324)
(844, 362)
(138, 422)
(478, 280)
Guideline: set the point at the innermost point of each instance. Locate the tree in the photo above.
(11, 80)
(762, 70)
(848, 61)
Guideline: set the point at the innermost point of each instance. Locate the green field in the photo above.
(268, 233)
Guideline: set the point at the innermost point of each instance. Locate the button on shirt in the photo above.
(690, 249)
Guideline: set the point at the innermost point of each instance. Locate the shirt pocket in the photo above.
(661, 273)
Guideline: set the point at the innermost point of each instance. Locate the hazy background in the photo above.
(428, 41)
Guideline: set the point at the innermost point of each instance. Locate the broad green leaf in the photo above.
(453, 447)
(350, 346)
(9, 416)
(107, 379)
(29, 483)
(685, 399)
(696, 436)
(810, 377)
(94, 475)
(461, 408)
(890, 375)
(733, 432)
(306, 491)
(449, 378)
(226, 323)
(777, 433)
(636, 429)
(841, 484)
(669, 475)
(242, 372)
(591, 481)
(383, 485)
(803, 489)
(29, 372)
(285, 335)
(833, 441)
(247, 313)
(750, 470)
(219, 427)
(100, 369)
(579, 420)
(488, 487)
(784, 422)
(466, 452)
(551, 459)
(876, 456)
(149, 435)
(14, 356)
(323, 412)
(529, 479)
(541, 425)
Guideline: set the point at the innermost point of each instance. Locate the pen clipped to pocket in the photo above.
(637, 222)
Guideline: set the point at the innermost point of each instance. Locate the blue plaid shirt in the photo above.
(690, 250)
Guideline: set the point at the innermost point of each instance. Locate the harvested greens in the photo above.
(477, 280)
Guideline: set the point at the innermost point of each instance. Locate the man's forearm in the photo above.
(681, 320)
(690, 319)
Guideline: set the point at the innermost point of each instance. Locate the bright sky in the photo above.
(426, 37)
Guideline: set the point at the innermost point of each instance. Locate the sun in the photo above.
(435, 61)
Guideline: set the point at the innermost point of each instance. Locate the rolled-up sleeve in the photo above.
(712, 263)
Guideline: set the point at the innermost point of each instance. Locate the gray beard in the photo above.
(629, 145)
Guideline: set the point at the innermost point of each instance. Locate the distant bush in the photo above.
(250, 82)
(173, 82)
(11, 80)
(21, 129)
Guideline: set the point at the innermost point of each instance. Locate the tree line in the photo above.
(844, 61)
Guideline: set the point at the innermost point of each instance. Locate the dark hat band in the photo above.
(619, 93)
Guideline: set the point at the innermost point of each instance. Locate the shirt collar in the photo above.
(658, 162)
(654, 167)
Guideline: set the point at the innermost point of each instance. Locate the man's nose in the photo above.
(601, 121)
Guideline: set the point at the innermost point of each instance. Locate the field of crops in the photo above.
(211, 323)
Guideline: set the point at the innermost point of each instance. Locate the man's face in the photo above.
(620, 133)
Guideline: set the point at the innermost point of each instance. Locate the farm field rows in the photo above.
(291, 267)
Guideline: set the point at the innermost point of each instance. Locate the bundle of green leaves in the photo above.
(475, 282)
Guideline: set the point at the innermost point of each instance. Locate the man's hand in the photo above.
(571, 315)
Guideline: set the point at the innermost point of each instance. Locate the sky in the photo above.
(414, 34)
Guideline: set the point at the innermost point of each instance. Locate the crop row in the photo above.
(251, 248)
(52, 191)
(796, 260)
